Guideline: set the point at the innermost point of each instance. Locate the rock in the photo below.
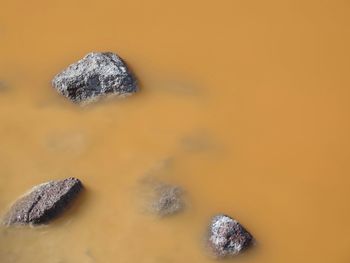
(95, 76)
(167, 200)
(43, 202)
(227, 237)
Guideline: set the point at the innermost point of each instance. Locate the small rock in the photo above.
(227, 237)
(167, 200)
(43, 202)
(94, 76)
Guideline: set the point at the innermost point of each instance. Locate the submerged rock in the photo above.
(160, 198)
(43, 202)
(227, 237)
(167, 200)
(3, 86)
(94, 76)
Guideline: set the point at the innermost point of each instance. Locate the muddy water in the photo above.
(245, 104)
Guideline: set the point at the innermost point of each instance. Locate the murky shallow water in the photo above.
(245, 104)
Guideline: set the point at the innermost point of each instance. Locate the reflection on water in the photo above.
(248, 100)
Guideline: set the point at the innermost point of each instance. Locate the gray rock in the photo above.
(95, 76)
(167, 200)
(43, 202)
(227, 237)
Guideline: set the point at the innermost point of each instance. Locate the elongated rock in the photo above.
(96, 75)
(228, 237)
(43, 202)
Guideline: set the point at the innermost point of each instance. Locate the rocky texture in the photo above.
(227, 237)
(167, 200)
(95, 76)
(43, 202)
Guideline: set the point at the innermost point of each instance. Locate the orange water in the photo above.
(244, 104)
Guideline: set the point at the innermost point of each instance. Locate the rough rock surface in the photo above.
(43, 202)
(167, 200)
(96, 75)
(227, 237)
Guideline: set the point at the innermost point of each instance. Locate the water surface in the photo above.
(244, 104)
